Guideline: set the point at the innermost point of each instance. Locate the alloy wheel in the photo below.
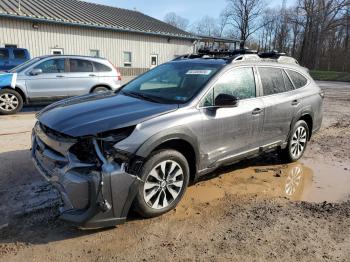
(293, 181)
(8, 102)
(298, 142)
(163, 184)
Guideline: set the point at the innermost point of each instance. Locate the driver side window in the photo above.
(52, 66)
(238, 82)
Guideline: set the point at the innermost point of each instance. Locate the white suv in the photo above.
(51, 78)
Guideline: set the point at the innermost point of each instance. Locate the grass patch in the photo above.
(330, 75)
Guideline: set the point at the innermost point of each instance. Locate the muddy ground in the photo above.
(258, 210)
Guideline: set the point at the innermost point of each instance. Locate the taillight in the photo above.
(119, 75)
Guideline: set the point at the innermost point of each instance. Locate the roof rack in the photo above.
(241, 55)
(227, 52)
(218, 54)
(272, 54)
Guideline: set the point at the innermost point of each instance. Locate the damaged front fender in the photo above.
(93, 195)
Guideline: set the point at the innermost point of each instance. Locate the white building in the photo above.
(132, 41)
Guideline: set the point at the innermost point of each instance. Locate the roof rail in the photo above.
(226, 53)
(247, 57)
(241, 55)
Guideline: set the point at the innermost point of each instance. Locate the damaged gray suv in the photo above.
(141, 146)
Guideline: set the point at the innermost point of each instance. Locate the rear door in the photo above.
(81, 77)
(50, 84)
(280, 102)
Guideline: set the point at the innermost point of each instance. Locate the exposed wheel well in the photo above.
(106, 86)
(308, 119)
(22, 94)
(184, 148)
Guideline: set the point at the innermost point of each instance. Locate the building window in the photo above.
(154, 61)
(127, 59)
(56, 51)
(94, 53)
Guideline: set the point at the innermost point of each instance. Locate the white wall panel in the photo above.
(79, 40)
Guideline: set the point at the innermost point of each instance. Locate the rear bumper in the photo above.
(82, 188)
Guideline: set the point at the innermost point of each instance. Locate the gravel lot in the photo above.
(257, 210)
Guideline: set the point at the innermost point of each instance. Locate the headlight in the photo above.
(110, 138)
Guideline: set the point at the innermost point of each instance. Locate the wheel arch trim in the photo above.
(167, 136)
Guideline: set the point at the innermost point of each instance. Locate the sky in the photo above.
(193, 10)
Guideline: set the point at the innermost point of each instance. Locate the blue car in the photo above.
(12, 57)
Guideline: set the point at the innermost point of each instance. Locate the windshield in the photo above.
(24, 66)
(173, 82)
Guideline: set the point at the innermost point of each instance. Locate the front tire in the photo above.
(297, 142)
(165, 177)
(100, 89)
(10, 102)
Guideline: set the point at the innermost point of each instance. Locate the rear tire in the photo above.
(100, 89)
(10, 102)
(297, 142)
(165, 177)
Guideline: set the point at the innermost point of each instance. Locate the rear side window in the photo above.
(52, 66)
(101, 67)
(298, 79)
(237, 82)
(80, 66)
(272, 80)
(4, 54)
(19, 54)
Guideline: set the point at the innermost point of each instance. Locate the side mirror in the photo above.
(225, 100)
(36, 71)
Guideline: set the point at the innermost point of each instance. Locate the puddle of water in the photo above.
(307, 181)
(329, 183)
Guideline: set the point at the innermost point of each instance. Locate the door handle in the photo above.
(257, 111)
(60, 76)
(295, 102)
(92, 75)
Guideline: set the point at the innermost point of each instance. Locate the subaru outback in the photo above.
(141, 146)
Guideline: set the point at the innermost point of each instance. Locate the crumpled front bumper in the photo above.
(82, 186)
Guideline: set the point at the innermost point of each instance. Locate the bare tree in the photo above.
(223, 21)
(207, 26)
(245, 16)
(176, 20)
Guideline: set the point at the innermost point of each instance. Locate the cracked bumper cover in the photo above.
(78, 184)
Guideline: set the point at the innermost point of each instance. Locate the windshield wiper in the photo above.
(142, 96)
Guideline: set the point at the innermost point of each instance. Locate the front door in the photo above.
(229, 132)
(50, 83)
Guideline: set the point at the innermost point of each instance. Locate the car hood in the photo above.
(96, 113)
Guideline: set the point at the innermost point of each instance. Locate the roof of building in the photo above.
(82, 13)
